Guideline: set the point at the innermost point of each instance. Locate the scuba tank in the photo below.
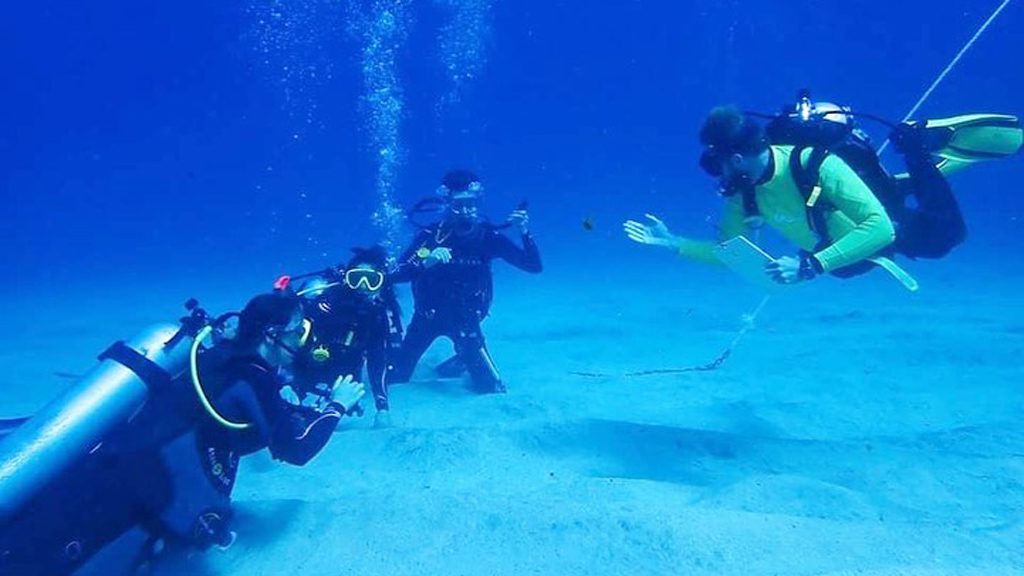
(77, 422)
(831, 129)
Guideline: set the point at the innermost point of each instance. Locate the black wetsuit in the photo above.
(170, 470)
(353, 332)
(292, 433)
(453, 299)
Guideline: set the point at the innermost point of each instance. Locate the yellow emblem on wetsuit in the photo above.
(423, 252)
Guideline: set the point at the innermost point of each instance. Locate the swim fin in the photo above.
(962, 140)
(451, 368)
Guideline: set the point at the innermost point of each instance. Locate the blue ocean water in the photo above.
(195, 133)
(155, 151)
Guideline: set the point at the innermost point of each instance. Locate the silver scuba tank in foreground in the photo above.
(77, 421)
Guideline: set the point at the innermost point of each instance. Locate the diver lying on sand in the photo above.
(151, 438)
(814, 176)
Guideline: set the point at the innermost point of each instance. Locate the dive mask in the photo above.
(464, 207)
(367, 278)
(711, 163)
(301, 329)
(463, 203)
(474, 188)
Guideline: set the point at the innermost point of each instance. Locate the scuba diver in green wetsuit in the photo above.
(813, 175)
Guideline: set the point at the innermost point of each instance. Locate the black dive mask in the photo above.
(290, 338)
(738, 182)
(711, 163)
(463, 203)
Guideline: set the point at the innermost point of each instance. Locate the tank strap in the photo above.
(807, 180)
(807, 177)
(148, 371)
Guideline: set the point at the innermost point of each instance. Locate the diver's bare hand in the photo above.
(785, 270)
(439, 255)
(348, 392)
(654, 234)
(520, 218)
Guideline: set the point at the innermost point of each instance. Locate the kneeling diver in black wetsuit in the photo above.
(357, 324)
(171, 468)
(449, 265)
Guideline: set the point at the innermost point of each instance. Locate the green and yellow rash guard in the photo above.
(858, 228)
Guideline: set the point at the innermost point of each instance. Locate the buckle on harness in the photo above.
(812, 199)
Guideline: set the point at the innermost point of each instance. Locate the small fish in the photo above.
(588, 223)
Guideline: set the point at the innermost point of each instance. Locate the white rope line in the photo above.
(949, 68)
